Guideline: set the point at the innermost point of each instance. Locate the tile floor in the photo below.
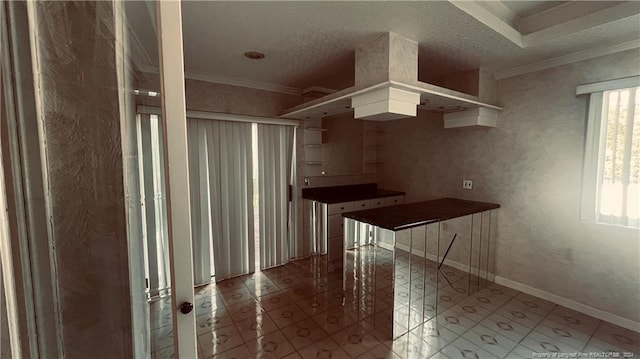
(299, 311)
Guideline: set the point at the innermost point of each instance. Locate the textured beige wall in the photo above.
(83, 164)
(531, 164)
(343, 146)
(208, 96)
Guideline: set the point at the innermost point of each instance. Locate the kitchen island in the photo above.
(324, 207)
(408, 262)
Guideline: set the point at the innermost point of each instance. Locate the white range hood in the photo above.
(387, 88)
(384, 104)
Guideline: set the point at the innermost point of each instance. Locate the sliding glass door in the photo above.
(240, 175)
(240, 214)
(220, 169)
(275, 178)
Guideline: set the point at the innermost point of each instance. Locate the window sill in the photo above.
(610, 228)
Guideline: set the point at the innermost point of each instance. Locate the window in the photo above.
(611, 183)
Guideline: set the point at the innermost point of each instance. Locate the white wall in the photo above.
(531, 164)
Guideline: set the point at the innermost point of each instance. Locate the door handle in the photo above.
(186, 308)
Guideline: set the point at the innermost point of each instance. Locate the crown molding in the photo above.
(138, 50)
(147, 69)
(491, 19)
(560, 14)
(558, 21)
(503, 12)
(236, 81)
(230, 80)
(584, 22)
(567, 59)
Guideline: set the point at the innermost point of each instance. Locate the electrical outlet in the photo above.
(467, 184)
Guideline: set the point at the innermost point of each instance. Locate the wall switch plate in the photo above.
(467, 184)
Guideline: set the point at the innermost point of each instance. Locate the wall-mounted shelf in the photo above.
(313, 147)
(370, 145)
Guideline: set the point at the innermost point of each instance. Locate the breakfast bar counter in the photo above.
(409, 215)
(350, 193)
(405, 264)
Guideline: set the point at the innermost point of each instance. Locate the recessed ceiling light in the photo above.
(254, 55)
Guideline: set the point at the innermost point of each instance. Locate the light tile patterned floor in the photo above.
(298, 311)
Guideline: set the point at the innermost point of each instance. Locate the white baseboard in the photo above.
(385, 245)
(432, 257)
(571, 304)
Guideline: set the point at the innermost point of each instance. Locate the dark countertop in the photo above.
(338, 194)
(409, 215)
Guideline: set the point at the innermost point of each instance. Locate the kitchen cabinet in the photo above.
(324, 207)
(392, 201)
(360, 205)
(377, 203)
(337, 208)
(327, 224)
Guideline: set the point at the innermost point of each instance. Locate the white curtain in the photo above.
(275, 153)
(221, 198)
(154, 209)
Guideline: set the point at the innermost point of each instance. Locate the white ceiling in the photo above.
(309, 43)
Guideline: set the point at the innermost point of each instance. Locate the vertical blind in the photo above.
(220, 171)
(153, 204)
(275, 153)
(200, 138)
(221, 197)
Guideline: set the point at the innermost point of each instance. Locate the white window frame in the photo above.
(594, 147)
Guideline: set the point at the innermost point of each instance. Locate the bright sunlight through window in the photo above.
(618, 182)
